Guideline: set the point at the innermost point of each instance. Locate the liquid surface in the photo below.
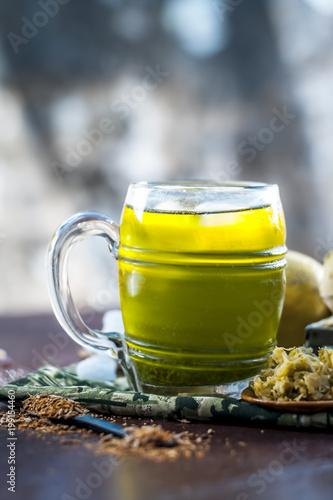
(247, 230)
(201, 294)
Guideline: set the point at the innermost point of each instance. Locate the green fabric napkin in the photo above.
(115, 398)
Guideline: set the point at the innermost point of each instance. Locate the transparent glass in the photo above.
(201, 278)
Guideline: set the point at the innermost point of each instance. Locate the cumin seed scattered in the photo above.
(155, 443)
(147, 441)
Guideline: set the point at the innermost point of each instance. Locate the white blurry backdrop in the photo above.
(95, 95)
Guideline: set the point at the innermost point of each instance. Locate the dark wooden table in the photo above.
(269, 465)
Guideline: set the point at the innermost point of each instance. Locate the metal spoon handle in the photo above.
(89, 422)
(97, 424)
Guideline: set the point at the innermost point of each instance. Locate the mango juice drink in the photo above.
(201, 293)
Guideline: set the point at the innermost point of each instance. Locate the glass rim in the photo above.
(203, 184)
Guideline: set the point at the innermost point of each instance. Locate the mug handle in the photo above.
(75, 229)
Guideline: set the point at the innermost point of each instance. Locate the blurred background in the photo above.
(97, 94)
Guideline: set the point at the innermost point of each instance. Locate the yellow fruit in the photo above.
(303, 304)
(326, 285)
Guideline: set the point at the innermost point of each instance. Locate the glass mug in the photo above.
(201, 278)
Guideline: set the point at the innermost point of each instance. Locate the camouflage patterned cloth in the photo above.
(115, 398)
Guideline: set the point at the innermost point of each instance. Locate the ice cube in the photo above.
(100, 367)
(113, 322)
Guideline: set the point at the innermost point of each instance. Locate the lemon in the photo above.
(303, 304)
(326, 285)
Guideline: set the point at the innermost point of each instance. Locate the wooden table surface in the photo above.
(269, 465)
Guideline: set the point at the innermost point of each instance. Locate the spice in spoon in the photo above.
(50, 406)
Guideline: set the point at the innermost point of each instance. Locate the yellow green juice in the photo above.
(201, 293)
